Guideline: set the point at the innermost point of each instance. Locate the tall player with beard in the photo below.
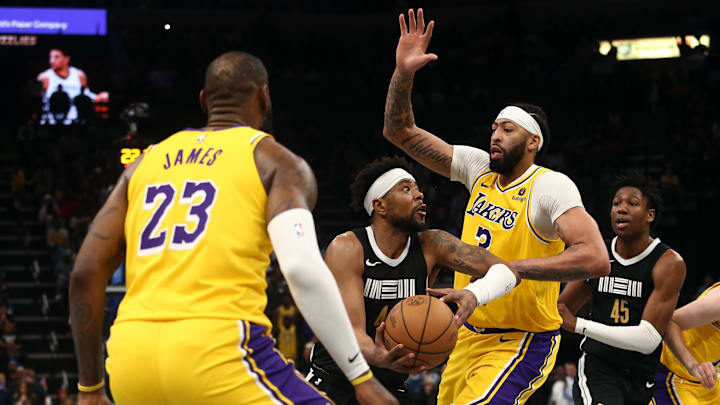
(631, 307)
(393, 258)
(521, 212)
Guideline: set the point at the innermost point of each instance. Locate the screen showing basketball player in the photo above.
(66, 94)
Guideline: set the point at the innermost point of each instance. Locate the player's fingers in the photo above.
(429, 31)
(421, 21)
(403, 26)
(379, 333)
(413, 24)
(396, 352)
(438, 291)
(430, 57)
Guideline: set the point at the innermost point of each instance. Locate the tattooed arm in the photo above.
(399, 123)
(585, 256)
(443, 250)
(102, 251)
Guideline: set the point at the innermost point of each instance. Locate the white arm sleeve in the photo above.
(467, 163)
(314, 289)
(553, 194)
(643, 338)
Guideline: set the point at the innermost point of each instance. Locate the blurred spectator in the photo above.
(18, 181)
(428, 393)
(48, 209)
(63, 398)
(563, 376)
(24, 395)
(5, 397)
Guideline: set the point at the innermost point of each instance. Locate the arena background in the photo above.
(330, 63)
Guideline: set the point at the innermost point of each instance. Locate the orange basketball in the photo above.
(425, 326)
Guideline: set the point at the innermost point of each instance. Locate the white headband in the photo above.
(383, 184)
(522, 118)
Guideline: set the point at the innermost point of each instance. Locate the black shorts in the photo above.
(342, 392)
(600, 382)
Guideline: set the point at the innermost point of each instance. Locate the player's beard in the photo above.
(509, 160)
(409, 224)
(267, 123)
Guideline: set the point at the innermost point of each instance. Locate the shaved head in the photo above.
(233, 76)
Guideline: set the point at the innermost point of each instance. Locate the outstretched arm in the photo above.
(399, 123)
(496, 279)
(585, 256)
(704, 372)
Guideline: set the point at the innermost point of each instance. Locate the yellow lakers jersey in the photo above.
(498, 219)
(703, 342)
(195, 231)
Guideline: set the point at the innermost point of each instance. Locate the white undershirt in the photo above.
(553, 192)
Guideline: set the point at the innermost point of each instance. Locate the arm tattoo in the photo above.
(537, 273)
(398, 109)
(101, 215)
(462, 257)
(86, 328)
(421, 149)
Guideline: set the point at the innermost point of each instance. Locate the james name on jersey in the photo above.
(492, 212)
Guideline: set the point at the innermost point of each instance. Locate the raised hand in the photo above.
(466, 300)
(410, 55)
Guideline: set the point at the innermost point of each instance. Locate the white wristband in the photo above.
(498, 281)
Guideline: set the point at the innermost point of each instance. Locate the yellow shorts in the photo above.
(670, 389)
(202, 361)
(497, 367)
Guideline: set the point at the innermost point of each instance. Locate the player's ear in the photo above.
(264, 98)
(203, 101)
(534, 143)
(651, 215)
(379, 206)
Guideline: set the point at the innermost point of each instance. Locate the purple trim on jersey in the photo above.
(662, 392)
(528, 370)
(279, 374)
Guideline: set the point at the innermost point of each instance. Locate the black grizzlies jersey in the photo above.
(386, 282)
(619, 300)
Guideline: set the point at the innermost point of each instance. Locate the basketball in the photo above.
(425, 326)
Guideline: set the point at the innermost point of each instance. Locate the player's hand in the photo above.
(94, 398)
(568, 319)
(705, 373)
(102, 97)
(394, 359)
(466, 300)
(410, 55)
(371, 392)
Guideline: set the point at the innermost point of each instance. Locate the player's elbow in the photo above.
(598, 263)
